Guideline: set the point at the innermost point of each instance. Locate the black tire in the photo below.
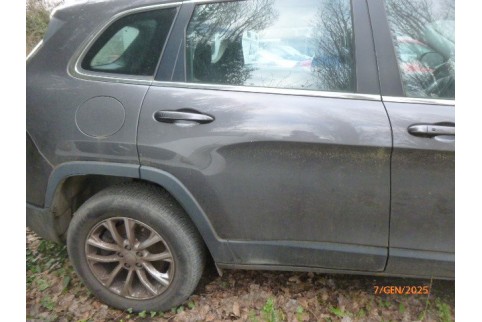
(156, 209)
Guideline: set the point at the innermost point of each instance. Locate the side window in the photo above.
(423, 33)
(132, 45)
(114, 48)
(304, 44)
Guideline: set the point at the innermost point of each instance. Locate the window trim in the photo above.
(419, 100)
(269, 90)
(75, 66)
(35, 50)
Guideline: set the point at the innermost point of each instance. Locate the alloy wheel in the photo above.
(129, 258)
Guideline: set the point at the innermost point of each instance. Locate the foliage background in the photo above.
(37, 20)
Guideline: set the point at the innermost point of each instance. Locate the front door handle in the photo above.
(173, 116)
(430, 130)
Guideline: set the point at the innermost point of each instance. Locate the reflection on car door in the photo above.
(291, 178)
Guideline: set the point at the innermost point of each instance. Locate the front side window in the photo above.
(132, 45)
(304, 44)
(423, 33)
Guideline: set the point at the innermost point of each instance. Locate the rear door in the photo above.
(273, 121)
(415, 49)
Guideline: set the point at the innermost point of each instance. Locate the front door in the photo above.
(418, 85)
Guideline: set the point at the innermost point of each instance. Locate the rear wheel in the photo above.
(134, 247)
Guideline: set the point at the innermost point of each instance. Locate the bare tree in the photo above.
(410, 17)
(227, 21)
(413, 22)
(333, 43)
(231, 19)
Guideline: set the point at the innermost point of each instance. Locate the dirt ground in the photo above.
(55, 293)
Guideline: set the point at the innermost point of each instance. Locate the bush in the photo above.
(38, 16)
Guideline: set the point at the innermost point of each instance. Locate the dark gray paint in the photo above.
(52, 101)
(423, 180)
(100, 116)
(217, 247)
(222, 250)
(421, 263)
(406, 273)
(422, 220)
(38, 170)
(53, 96)
(270, 164)
(309, 254)
(80, 168)
(42, 221)
(267, 166)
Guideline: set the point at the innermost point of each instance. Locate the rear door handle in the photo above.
(173, 116)
(430, 130)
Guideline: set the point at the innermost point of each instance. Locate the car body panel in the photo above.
(279, 157)
(270, 164)
(281, 179)
(38, 170)
(54, 96)
(422, 216)
(423, 180)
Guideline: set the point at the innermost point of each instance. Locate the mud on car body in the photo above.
(264, 134)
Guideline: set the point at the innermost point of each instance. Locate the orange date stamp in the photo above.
(401, 290)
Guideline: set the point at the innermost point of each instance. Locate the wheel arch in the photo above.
(67, 175)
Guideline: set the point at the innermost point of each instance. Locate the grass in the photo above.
(443, 310)
(48, 256)
(338, 312)
(47, 303)
(299, 313)
(270, 312)
(42, 284)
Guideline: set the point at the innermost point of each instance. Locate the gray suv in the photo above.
(313, 135)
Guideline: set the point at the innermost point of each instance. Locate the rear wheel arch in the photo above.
(73, 183)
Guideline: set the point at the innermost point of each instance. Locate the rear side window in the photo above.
(423, 33)
(132, 45)
(304, 44)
